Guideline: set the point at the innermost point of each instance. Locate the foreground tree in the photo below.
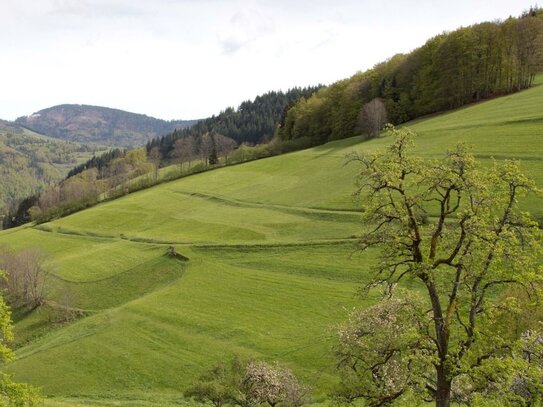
(11, 393)
(455, 233)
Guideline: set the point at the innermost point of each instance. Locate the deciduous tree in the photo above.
(11, 393)
(455, 232)
(25, 276)
(272, 384)
(247, 383)
(155, 157)
(372, 117)
(225, 146)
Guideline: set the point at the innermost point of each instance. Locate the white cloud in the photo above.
(192, 58)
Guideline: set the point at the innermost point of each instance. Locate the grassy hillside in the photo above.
(271, 267)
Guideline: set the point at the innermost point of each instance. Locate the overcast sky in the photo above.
(188, 59)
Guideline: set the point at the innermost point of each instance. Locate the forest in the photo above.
(253, 122)
(449, 71)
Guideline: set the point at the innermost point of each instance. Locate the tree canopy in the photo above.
(454, 232)
(450, 70)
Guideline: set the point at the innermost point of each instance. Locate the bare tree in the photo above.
(372, 117)
(206, 146)
(26, 276)
(66, 300)
(155, 157)
(225, 145)
(119, 170)
(183, 151)
(49, 198)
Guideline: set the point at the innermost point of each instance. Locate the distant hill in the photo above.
(99, 125)
(29, 161)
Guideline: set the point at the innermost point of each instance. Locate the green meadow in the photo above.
(272, 266)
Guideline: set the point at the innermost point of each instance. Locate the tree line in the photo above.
(452, 69)
(253, 122)
(209, 143)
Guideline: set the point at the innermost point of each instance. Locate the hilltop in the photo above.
(99, 125)
(271, 266)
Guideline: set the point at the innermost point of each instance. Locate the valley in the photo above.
(272, 266)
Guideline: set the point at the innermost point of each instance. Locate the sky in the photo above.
(189, 59)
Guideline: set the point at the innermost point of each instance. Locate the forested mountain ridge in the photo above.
(206, 143)
(29, 161)
(451, 70)
(252, 122)
(99, 125)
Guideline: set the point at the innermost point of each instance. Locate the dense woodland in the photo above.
(251, 123)
(449, 71)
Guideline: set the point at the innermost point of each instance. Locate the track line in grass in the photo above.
(281, 208)
(100, 280)
(155, 242)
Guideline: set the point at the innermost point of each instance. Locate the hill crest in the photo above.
(99, 125)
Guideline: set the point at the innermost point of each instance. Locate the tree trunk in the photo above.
(443, 391)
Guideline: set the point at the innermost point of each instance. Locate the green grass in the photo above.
(272, 266)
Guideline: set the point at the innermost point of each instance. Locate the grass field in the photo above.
(271, 266)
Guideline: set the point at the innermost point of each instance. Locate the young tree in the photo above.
(213, 158)
(475, 244)
(206, 146)
(225, 145)
(155, 157)
(215, 386)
